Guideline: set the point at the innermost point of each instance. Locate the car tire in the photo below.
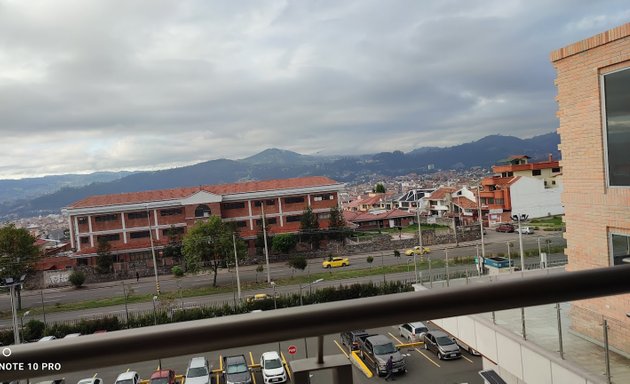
(439, 355)
(327, 267)
(344, 265)
(426, 347)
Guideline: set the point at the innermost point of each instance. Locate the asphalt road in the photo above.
(422, 366)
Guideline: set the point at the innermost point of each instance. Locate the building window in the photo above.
(620, 249)
(499, 201)
(553, 182)
(617, 110)
(267, 202)
(270, 220)
(241, 224)
(323, 216)
(171, 212)
(173, 231)
(239, 205)
(536, 172)
(292, 219)
(85, 240)
(294, 200)
(82, 220)
(555, 170)
(111, 237)
(139, 235)
(322, 197)
(510, 174)
(138, 215)
(202, 210)
(103, 218)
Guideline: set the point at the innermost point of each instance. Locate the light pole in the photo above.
(273, 285)
(415, 264)
(155, 270)
(12, 283)
(155, 298)
(448, 282)
(519, 218)
(509, 244)
(483, 247)
(262, 207)
(126, 308)
(22, 323)
(238, 280)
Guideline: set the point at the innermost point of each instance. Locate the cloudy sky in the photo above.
(147, 84)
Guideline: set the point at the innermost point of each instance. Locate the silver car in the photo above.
(440, 343)
(413, 332)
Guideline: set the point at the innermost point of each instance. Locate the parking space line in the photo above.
(251, 357)
(470, 361)
(286, 365)
(395, 338)
(341, 348)
(427, 357)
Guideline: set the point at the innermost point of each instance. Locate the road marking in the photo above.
(251, 357)
(427, 357)
(364, 368)
(470, 361)
(395, 338)
(341, 348)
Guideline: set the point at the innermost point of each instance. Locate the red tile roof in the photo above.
(355, 217)
(464, 202)
(440, 193)
(223, 189)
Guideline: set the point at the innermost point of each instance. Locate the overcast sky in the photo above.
(112, 85)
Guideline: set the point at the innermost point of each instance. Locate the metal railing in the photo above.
(170, 340)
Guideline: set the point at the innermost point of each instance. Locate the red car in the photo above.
(505, 227)
(163, 376)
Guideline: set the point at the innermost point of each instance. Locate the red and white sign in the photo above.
(292, 349)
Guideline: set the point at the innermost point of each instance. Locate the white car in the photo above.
(272, 368)
(47, 338)
(91, 380)
(413, 332)
(198, 371)
(129, 377)
(525, 230)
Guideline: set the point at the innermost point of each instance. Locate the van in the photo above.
(198, 371)
(413, 332)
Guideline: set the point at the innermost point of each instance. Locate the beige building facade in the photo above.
(593, 85)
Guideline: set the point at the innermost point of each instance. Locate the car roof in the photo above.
(47, 338)
(271, 355)
(379, 339)
(235, 359)
(161, 373)
(198, 361)
(438, 333)
(126, 375)
(418, 324)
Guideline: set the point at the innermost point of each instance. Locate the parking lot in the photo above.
(422, 366)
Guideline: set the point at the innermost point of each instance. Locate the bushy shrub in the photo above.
(177, 271)
(77, 278)
(34, 330)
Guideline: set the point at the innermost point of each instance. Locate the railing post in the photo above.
(524, 331)
(607, 351)
(559, 331)
(320, 349)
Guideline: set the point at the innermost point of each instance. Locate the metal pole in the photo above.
(520, 244)
(509, 257)
(238, 279)
(415, 265)
(301, 302)
(483, 248)
(262, 207)
(607, 351)
(155, 270)
(448, 282)
(16, 331)
(126, 309)
(478, 260)
(43, 308)
(559, 331)
(524, 332)
(383, 267)
(430, 274)
(181, 296)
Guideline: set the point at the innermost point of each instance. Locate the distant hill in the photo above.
(277, 163)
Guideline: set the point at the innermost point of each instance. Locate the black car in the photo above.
(235, 370)
(440, 343)
(351, 338)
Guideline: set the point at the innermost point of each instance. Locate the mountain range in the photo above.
(269, 164)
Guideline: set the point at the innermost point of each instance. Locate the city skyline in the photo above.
(150, 85)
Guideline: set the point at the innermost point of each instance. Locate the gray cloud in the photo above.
(148, 84)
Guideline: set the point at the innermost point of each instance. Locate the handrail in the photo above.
(169, 340)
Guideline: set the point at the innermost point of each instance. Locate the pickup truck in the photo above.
(351, 338)
(375, 350)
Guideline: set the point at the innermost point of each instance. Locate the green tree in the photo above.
(77, 278)
(370, 260)
(337, 224)
(283, 242)
(210, 243)
(379, 188)
(309, 228)
(18, 253)
(259, 269)
(298, 262)
(174, 247)
(104, 259)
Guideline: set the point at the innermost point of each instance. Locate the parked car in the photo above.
(129, 377)
(198, 371)
(440, 343)
(47, 338)
(53, 381)
(91, 380)
(376, 350)
(70, 335)
(413, 332)
(272, 368)
(416, 250)
(351, 338)
(336, 262)
(163, 376)
(235, 370)
(525, 230)
(259, 297)
(505, 227)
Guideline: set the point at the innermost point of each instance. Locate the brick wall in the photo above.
(591, 208)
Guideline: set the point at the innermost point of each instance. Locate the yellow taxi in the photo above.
(417, 250)
(336, 262)
(258, 297)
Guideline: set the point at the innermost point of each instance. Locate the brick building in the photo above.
(135, 223)
(593, 84)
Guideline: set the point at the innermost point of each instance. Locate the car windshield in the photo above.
(444, 340)
(237, 368)
(197, 372)
(127, 381)
(88, 381)
(161, 380)
(273, 364)
(384, 349)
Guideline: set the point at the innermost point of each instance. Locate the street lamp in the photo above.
(262, 207)
(309, 287)
(12, 282)
(483, 247)
(155, 298)
(415, 264)
(520, 218)
(238, 280)
(157, 280)
(273, 285)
